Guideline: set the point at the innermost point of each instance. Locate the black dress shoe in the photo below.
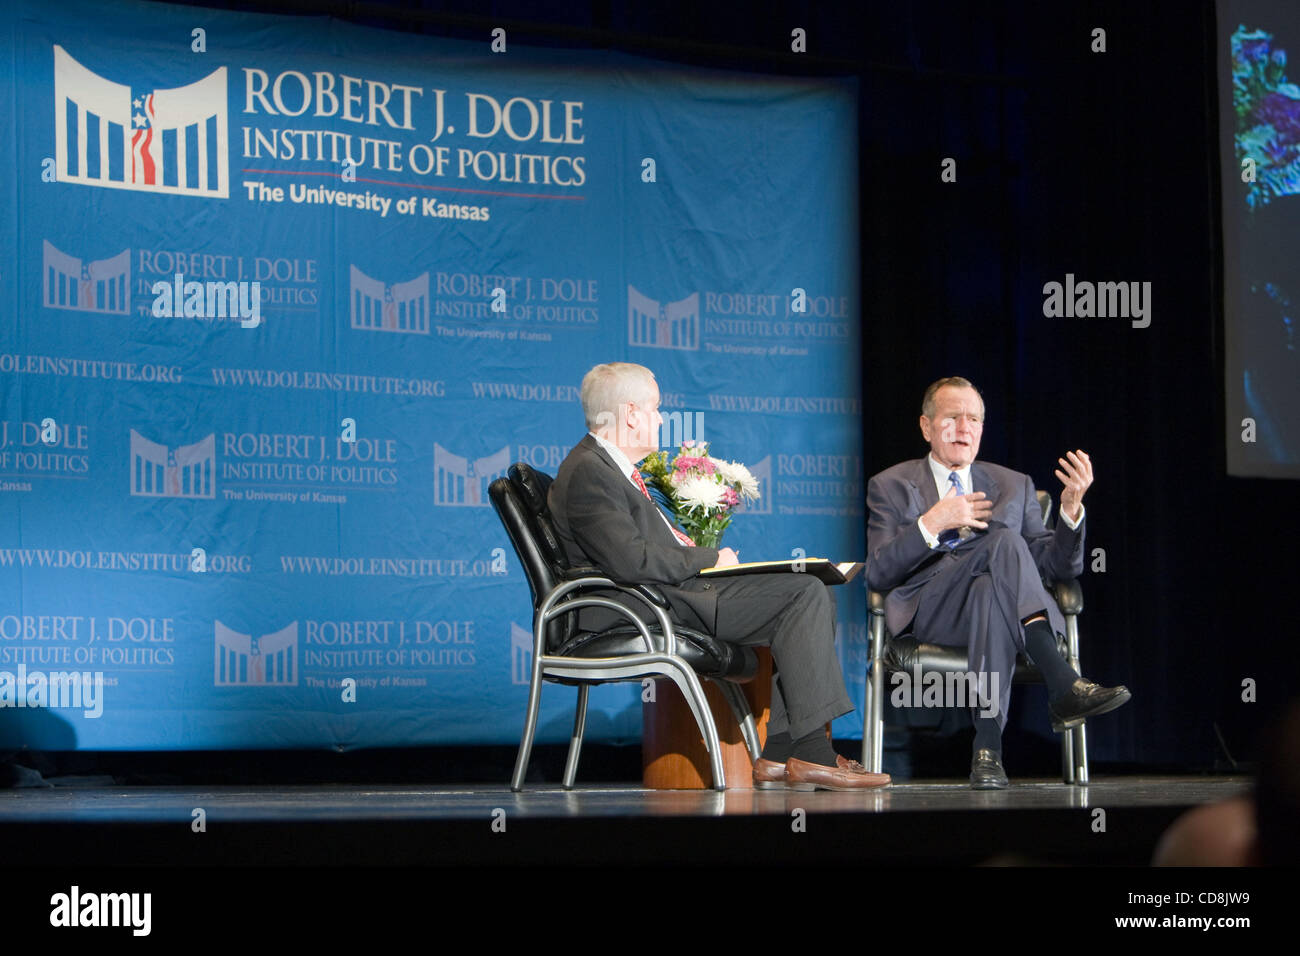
(1084, 700)
(986, 771)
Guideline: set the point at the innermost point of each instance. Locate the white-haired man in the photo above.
(605, 517)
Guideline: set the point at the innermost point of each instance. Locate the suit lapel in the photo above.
(981, 480)
(923, 489)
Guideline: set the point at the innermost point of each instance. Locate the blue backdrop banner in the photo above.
(285, 295)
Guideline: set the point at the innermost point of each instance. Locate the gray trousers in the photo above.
(987, 586)
(794, 614)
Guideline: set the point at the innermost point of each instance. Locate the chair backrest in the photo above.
(520, 503)
(1045, 502)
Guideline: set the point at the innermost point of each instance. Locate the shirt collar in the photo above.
(941, 473)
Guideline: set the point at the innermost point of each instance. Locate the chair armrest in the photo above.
(581, 571)
(581, 579)
(1069, 595)
(648, 591)
(652, 594)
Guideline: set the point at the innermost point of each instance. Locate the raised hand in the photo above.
(1076, 476)
(959, 511)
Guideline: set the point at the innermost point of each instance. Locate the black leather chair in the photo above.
(905, 653)
(649, 644)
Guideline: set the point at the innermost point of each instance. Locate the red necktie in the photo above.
(683, 538)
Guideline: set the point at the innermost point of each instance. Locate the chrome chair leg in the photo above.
(1067, 757)
(1078, 739)
(530, 726)
(689, 684)
(873, 704)
(744, 716)
(867, 729)
(575, 743)
(1080, 755)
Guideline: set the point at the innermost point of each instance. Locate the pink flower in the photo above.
(691, 463)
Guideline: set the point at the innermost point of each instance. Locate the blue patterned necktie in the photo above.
(952, 537)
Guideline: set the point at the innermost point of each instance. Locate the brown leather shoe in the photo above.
(769, 775)
(801, 775)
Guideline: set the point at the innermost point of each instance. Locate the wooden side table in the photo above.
(672, 751)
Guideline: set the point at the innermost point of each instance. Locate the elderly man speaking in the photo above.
(961, 548)
(605, 517)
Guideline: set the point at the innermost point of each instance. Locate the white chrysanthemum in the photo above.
(700, 492)
(734, 473)
(729, 471)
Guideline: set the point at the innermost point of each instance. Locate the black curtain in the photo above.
(1103, 165)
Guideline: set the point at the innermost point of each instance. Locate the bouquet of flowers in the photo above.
(701, 492)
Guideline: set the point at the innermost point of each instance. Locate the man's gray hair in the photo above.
(952, 381)
(608, 386)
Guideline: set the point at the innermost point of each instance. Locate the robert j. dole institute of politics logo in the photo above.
(102, 285)
(186, 471)
(663, 325)
(158, 141)
(462, 482)
(400, 307)
(249, 660)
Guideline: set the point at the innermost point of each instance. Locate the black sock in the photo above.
(815, 748)
(778, 747)
(988, 735)
(1040, 644)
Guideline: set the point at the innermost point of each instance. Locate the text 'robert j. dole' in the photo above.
(372, 103)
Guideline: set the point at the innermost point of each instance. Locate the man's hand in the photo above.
(727, 558)
(1076, 475)
(959, 511)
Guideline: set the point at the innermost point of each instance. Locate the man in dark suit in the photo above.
(604, 517)
(961, 548)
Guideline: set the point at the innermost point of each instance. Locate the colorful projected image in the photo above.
(1260, 149)
(1267, 108)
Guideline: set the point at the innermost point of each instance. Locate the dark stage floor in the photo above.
(1111, 821)
(340, 862)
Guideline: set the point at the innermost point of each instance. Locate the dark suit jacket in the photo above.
(899, 559)
(602, 519)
